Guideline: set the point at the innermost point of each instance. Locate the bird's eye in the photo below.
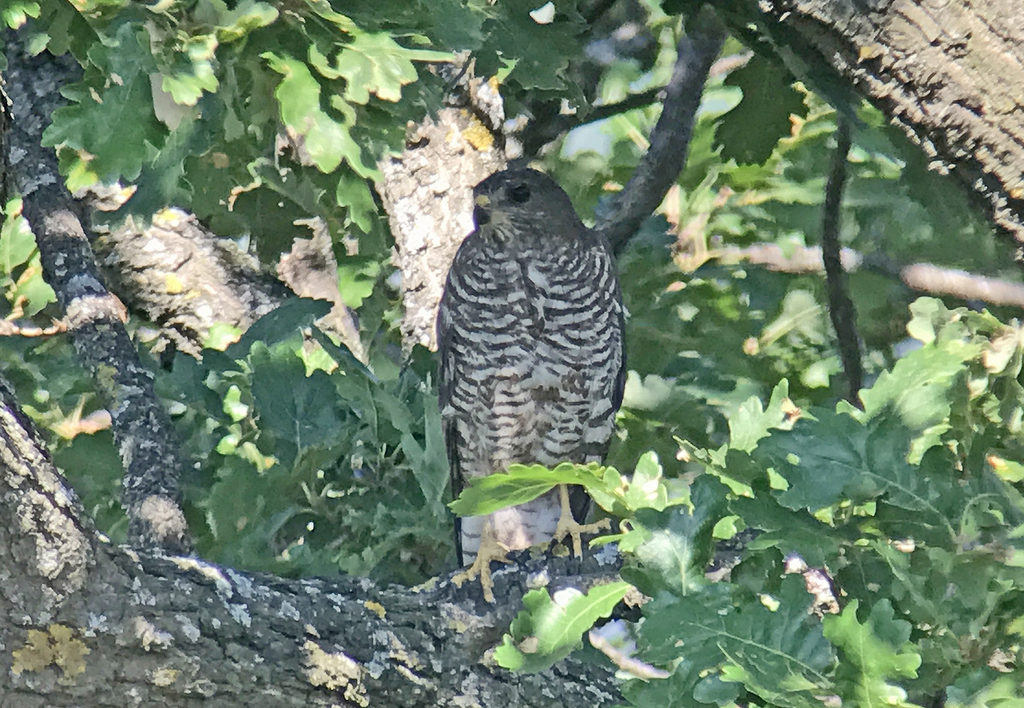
(519, 194)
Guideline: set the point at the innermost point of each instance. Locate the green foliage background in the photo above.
(306, 461)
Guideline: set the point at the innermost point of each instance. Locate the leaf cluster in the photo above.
(731, 451)
(914, 526)
(313, 454)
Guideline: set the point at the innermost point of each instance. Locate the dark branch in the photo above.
(840, 304)
(142, 430)
(561, 124)
(631, 102)
(603, 111)
(696, 52)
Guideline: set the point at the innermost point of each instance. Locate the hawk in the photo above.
(532, 362)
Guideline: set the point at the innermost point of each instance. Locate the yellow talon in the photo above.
(490, 549)
(568, 526)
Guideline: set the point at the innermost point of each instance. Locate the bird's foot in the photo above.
(490, 549)
(568, 526)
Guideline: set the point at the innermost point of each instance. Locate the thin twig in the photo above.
(670, 139)
(644, 99)
(840, 304)
(608, 110)
(922, 277)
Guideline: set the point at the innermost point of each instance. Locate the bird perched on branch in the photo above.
(530, 336)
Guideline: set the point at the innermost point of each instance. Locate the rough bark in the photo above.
(85, 623)
(172, 271)
(95, 319)
(949, 73)
(428, 194)
(184, 279)
(311, 270)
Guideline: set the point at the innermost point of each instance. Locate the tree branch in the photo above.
(46, 556)
(840, 304)
(428, 195)
(562, 124)
(922, 277)
(186, 279)
(946, 73)
(124, 627)
(670, 139)
(141, 428)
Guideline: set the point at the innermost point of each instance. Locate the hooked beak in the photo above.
(481, 214)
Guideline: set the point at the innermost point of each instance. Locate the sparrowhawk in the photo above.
(530, 336)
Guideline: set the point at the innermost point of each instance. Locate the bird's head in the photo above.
(522, 204)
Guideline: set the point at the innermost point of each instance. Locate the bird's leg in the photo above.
(568, 526)
(490, 549)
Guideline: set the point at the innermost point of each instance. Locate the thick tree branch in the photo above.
(141, 428)
(840, 304)
(46, 549)
(184, 279)
(84, 623)
(659, 167)
(947, 73)
(428, 194)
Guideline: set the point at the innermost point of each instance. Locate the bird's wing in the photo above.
(578, 498)
(445, 389)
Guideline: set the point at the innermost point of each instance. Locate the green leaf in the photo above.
(789, 531)
(547, 630)
(326, 140)
(279, 324)
(522, 483)
(539, 52)
(191, 70)
(17, 242)
(428, 461)
(299, 411)
(751, 422)
(925, 490)
(774, 647)
(17, 12)
(876, 651)
(817, 458)
(372, 63)
(247, 16)
(354, 192)
(768, 101)
(647, 488)
(677, 542)
(999, 692)
(114, 93)
(342, 355)
(160, 184)
(686, 687)
(19, 257)
(918, 389)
